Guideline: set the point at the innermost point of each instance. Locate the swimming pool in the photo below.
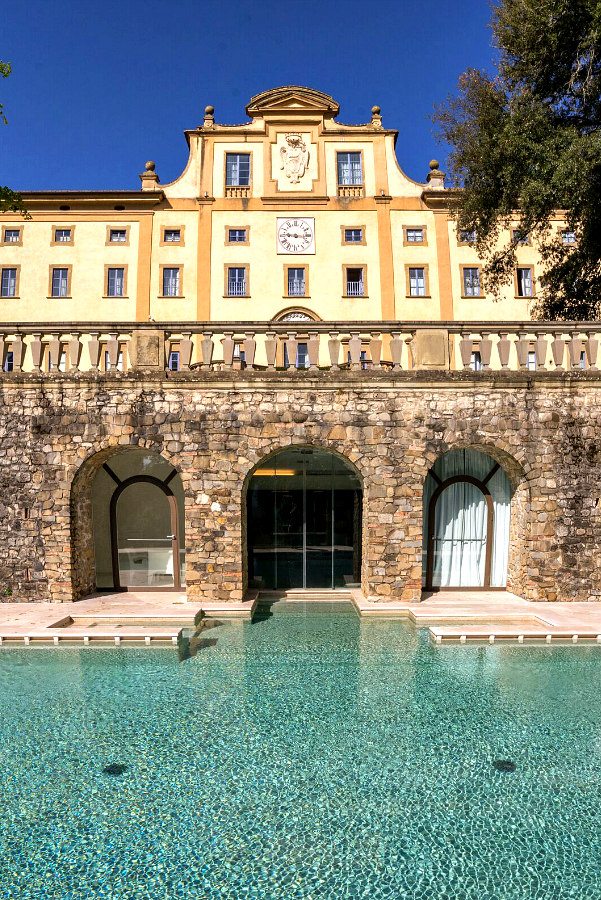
(308, 754)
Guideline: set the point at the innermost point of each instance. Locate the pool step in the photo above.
(298, 595)
(530, 634)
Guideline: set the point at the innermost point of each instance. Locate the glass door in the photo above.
(147, 547)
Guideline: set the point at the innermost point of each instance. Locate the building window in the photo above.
(9, 362)
(467, 236)
(171, 282)
(416, 277)
(12, 236)
(107, 362)
(568, 237)
(296, 282)
(414, 235)
(353, 236)
(524, 281)
(237, 169)
(63, 236)
(236, 236)
(118, 236)
(172, 235)
(350, 169)
(476, 361)
(9, 283)
(531, 360)
(520, 237)
(115, 282)
(355, 284)
(59, 283)
(236, 281)
(471, 281)
(173, 361)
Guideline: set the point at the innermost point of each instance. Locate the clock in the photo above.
(295, 235)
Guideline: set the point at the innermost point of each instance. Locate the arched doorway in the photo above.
(467, 498)
(138, 523)
(304, 521)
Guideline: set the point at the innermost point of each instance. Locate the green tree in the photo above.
(526, 142)
(9, 200)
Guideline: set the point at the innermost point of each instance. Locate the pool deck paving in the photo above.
(160, 617)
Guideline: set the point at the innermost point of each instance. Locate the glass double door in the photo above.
(304, 522)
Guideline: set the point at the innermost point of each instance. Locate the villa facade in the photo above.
(283, 371)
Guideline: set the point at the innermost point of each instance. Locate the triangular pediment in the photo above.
(292, 99)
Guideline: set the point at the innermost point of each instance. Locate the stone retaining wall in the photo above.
(545, 429)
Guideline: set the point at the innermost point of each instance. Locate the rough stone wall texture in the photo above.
(55, 432)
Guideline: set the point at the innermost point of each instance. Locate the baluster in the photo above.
(522, 346)
(313, 350)
(112, 348)
(503, 348)
(36, 351)
(250, 347)
(94, 350)
(228, 344)
(271, 349)
(74, 351)
(185, 350)
(410, 354)
(207, 348)
(396, 349)
(541, 349)
(575, 349)
(18, 348)
(291, 345)
(558, 349)
(375, 348)
(334, 349)
(54, 352)
(465, 349)
(354, 346)
(591, 348)
(485, 349)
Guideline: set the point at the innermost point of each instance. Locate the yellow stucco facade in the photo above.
(291, 163)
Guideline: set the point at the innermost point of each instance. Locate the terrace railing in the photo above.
(304, 345)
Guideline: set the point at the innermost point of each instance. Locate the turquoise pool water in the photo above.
(306, 755)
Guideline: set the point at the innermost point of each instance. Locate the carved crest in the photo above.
(294, 157)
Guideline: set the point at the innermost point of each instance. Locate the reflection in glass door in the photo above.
(304, 522)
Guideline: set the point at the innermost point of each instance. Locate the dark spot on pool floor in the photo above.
(115, 769)
(504, 765)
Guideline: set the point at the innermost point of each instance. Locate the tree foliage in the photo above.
(9, 200)
(526, 144)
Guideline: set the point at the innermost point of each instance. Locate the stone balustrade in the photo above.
(295, 345)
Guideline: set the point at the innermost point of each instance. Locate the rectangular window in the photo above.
(172, 235)
(60, 283)
(417, 282)
(12, 235)
(524, 281)
(115, 282)
(9, 283)
(171, 282)
(467, 236)
(568, 237)
(354, 283)
(296, 282)
(107, 362)
(476, 362)
(9, 362)
(471, 281)
(353, 235)
(173, 361)
(520, 237)
(118, 236)
(236, 235)
(237, 169)
(414, 235)
(531, 360)
(236, 281)
(350, 170)
(62, 235)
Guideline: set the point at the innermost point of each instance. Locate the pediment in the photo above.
(292, 99)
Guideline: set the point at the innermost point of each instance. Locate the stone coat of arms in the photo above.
(294, 157)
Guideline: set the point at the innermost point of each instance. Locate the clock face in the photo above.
(296, 235)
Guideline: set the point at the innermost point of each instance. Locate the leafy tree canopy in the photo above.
(9, 200)
(526, 144)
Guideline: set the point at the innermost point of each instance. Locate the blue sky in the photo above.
(100, 87)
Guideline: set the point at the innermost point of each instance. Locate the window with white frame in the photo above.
(531, 360)
(522, 238)
(236, 281)
(355, 285)
(467, 236)
(171, 281)
(12, 235)
(296, 282)
(350, 169)
(9, 362)
(60, 282)
(524, 281)
(417, 281)
(172, 235)
(353, 235)
(568, 237)
(115, 282)
(476, 361)
(118, 236)
(236, 235)
(8, 285)
(237, 169)
(173, 361)
(414, 235)
(108, 367)
(62, 235)
(471, 281)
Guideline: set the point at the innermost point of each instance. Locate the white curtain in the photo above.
(461, 522)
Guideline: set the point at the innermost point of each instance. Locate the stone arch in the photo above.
(296, 315)
(263, 459)
(83, 568)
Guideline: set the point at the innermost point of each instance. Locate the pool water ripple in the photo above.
(308, 755)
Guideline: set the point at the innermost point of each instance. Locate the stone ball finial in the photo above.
(209, 110)
(150, 165)
(376, 110)
(434, 164)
